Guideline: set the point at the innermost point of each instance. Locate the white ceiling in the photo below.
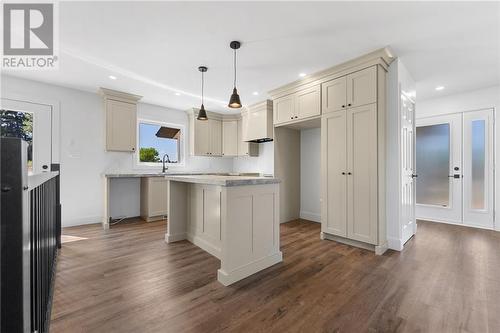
(154, 48)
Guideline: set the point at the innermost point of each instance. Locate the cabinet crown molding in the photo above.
(119, 95)
(263, 105)
(383, 57)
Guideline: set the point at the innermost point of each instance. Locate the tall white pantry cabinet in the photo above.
(353, 147)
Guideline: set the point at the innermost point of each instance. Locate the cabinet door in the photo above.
(362, 181)
(215, 133)
(284, 109)
(308, 103)
(334, 95)
(334, 174)
(242, 145)
(121, 125)
(157, 196)
(362, 87)
(230, 138)
(201, 137)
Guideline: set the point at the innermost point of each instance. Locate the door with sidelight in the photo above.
(454, 163)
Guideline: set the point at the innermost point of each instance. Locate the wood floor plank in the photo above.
(127, 279)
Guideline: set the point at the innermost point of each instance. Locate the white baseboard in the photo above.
(228, 278)
(395, 244)
(81, 221)
(310, 216)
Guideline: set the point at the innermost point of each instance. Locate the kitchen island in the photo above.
(234, 218)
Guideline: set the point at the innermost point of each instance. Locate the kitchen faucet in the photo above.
(168, 160)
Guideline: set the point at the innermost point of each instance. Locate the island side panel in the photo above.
(177, 211)
(249, 231)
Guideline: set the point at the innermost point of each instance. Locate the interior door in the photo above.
(334, 168)
(439, 168)
(35, 126)
(478, 168)
(408, 167)
(362, 190)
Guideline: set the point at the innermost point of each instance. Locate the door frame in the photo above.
(493, 161)
(56, 120)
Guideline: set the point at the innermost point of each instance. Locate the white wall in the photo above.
(310, 186)
(469, 101)
(264, 163)
(82, 155)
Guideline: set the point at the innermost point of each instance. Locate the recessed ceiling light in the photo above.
(255, 93)
(302, 74)
(177, 94)
(112, 77)
(439, 88)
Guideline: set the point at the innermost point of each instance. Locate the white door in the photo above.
(478, 168)
(35, 122)
(439, 168)
(408, 167)
(462, 144)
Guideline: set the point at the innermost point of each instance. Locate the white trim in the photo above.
(175, 237)
(395, 244)
(82, 221)
(227, 278)
(310, 216)
(454, 223)
(182, 146)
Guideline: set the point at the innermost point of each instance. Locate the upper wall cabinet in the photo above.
(356, 89)
(230, 137)
(121, 120)
(260, 122)
(205, 137)
(297, 106)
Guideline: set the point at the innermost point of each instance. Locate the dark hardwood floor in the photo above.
(129, 280)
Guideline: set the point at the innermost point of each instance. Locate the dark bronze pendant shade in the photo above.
(234, 101)
(202, 114)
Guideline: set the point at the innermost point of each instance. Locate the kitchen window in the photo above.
(157, 139)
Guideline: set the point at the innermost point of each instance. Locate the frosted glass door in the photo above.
(438, 166)
(478, 168)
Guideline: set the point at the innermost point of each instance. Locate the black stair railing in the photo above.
(30, 238)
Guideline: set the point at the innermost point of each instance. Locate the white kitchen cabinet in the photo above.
(349, 166)
(284, 109)
(334, 143)
(215, 137)
(229, 137)
(308, 103)
(245, 148)
(205, 137)
(121, 120)
(362, 87)
(300, 105)
(200, 144)
(154, 198)
(353, 90)
(334, 95)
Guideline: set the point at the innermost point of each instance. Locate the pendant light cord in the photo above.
(234, 83)
(202, 85)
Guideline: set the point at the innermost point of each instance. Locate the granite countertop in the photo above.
(223, 179)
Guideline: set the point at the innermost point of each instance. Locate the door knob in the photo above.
(343, 106)
(343, 173)
(349, 173)
(414, 176)
(349, 104)
(454, 176)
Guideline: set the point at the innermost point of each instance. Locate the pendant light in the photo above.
(202, 114)
(234, 101)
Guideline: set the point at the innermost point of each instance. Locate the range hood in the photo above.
(259, 122)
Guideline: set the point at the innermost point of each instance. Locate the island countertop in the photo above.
(223, 180)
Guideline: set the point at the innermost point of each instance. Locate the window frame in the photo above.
(181, 144)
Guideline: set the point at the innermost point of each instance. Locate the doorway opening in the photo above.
(454, 163)
(32, 123)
